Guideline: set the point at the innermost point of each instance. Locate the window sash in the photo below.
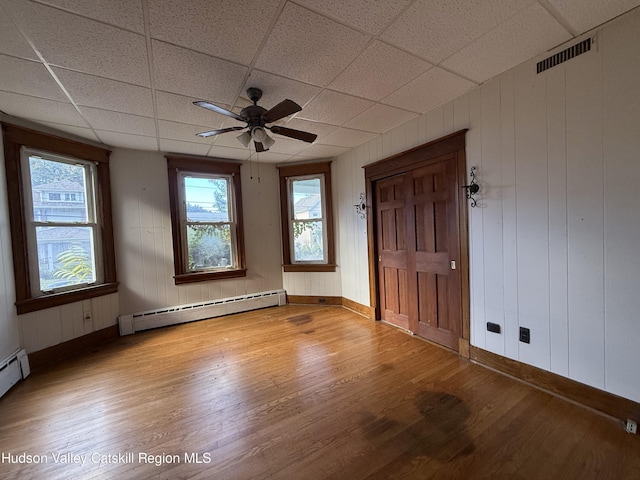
(185, 222)
(32, 225)
(293, 221)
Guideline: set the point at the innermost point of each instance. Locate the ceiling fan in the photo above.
(256, 119)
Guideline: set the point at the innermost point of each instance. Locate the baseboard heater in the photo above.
(163, 317)
(13, 369)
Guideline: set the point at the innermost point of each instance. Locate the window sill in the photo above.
(64, 298)
(207, 276)
(324, 267)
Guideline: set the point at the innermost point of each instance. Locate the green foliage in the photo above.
(49, 171)
(208, 246)
(74, 264)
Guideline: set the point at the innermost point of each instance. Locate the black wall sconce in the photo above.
(473, 187)
(361, 206)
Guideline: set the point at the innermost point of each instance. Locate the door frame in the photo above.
(401, 163)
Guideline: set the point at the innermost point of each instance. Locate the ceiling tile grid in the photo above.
(126, 72)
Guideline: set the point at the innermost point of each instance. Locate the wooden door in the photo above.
(434, 252)
(418, 248)
(392, 250)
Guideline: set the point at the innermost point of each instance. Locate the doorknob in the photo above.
(453, 264)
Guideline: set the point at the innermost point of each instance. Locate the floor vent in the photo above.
(563, 56)
(163, 317)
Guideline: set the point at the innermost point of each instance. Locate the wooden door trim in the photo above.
(402, 162)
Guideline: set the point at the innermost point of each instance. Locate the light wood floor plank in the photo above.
(299, 392)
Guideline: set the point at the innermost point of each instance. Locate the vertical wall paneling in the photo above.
(532, 213)
(585, 218)
(621, 116)
(476, 239)
(557, 182)
(490, 175)
(509, 219)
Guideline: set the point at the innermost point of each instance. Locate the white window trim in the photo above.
(292, 219)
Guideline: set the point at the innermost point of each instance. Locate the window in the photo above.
(307, 220)
(60, 216)
(206, 219)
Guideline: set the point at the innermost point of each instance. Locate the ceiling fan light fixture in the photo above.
(244, 139)
(259, 135)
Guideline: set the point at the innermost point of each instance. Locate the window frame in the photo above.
(287, 172)
(14, 139)
(176, 166)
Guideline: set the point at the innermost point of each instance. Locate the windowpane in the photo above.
(209, 246)
(66, 256)
(308, 242)
(58, 191)
(207, 199)
(307, 198)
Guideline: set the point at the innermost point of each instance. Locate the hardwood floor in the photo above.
(297, 392)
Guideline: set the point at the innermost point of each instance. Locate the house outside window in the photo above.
(307, 220)
(206, 219)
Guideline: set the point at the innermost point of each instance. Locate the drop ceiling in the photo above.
(125, 72)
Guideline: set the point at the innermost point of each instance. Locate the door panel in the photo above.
(417, 236)
(392, 253)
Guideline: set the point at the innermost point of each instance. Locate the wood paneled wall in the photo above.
(554, 239)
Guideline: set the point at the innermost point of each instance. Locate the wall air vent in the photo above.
(563, 56)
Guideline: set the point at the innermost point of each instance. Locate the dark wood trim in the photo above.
(296, 170)
(356, 307)
(14, 138)
(314, 300)
(208, 166)
(586, 395)
(432, 151)
(51, 356)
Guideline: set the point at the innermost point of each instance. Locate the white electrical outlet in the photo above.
(87, 316)
(631, 426)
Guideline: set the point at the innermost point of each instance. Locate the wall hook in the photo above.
(473, 187)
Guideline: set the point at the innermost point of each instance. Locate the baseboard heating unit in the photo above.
(163, 317)
(13, 369)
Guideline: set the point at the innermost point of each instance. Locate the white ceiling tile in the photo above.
(434, 29)
(229, 29)
(40, 109)
(188, 148)
(85, 45)
(29, 78)
(379, 71)
(523, 36)
(186, 72)
(369, 16)
(334, 108)
(107, 94)
(12, 42)
(121, 13)
(228, 139)
(275, 89)
(125, 140)
(183, 132)
(429, 90)
(119, 122)
(380, 118)
(585, 15)
(179, 108)
(308, 47)
(322, 151)
(265, 157)
(85, 133)
(287, 146)
(228, 152)
(320, 129)
(346, 137)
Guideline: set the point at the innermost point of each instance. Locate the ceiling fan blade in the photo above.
(260, 147)
(297, 134)
(219, 131)
(217, 109)
(281, 110)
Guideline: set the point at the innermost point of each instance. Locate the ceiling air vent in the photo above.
(563, 56)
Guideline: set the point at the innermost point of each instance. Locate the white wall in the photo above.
(554, 241)
(144, 247)
(9, 326)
